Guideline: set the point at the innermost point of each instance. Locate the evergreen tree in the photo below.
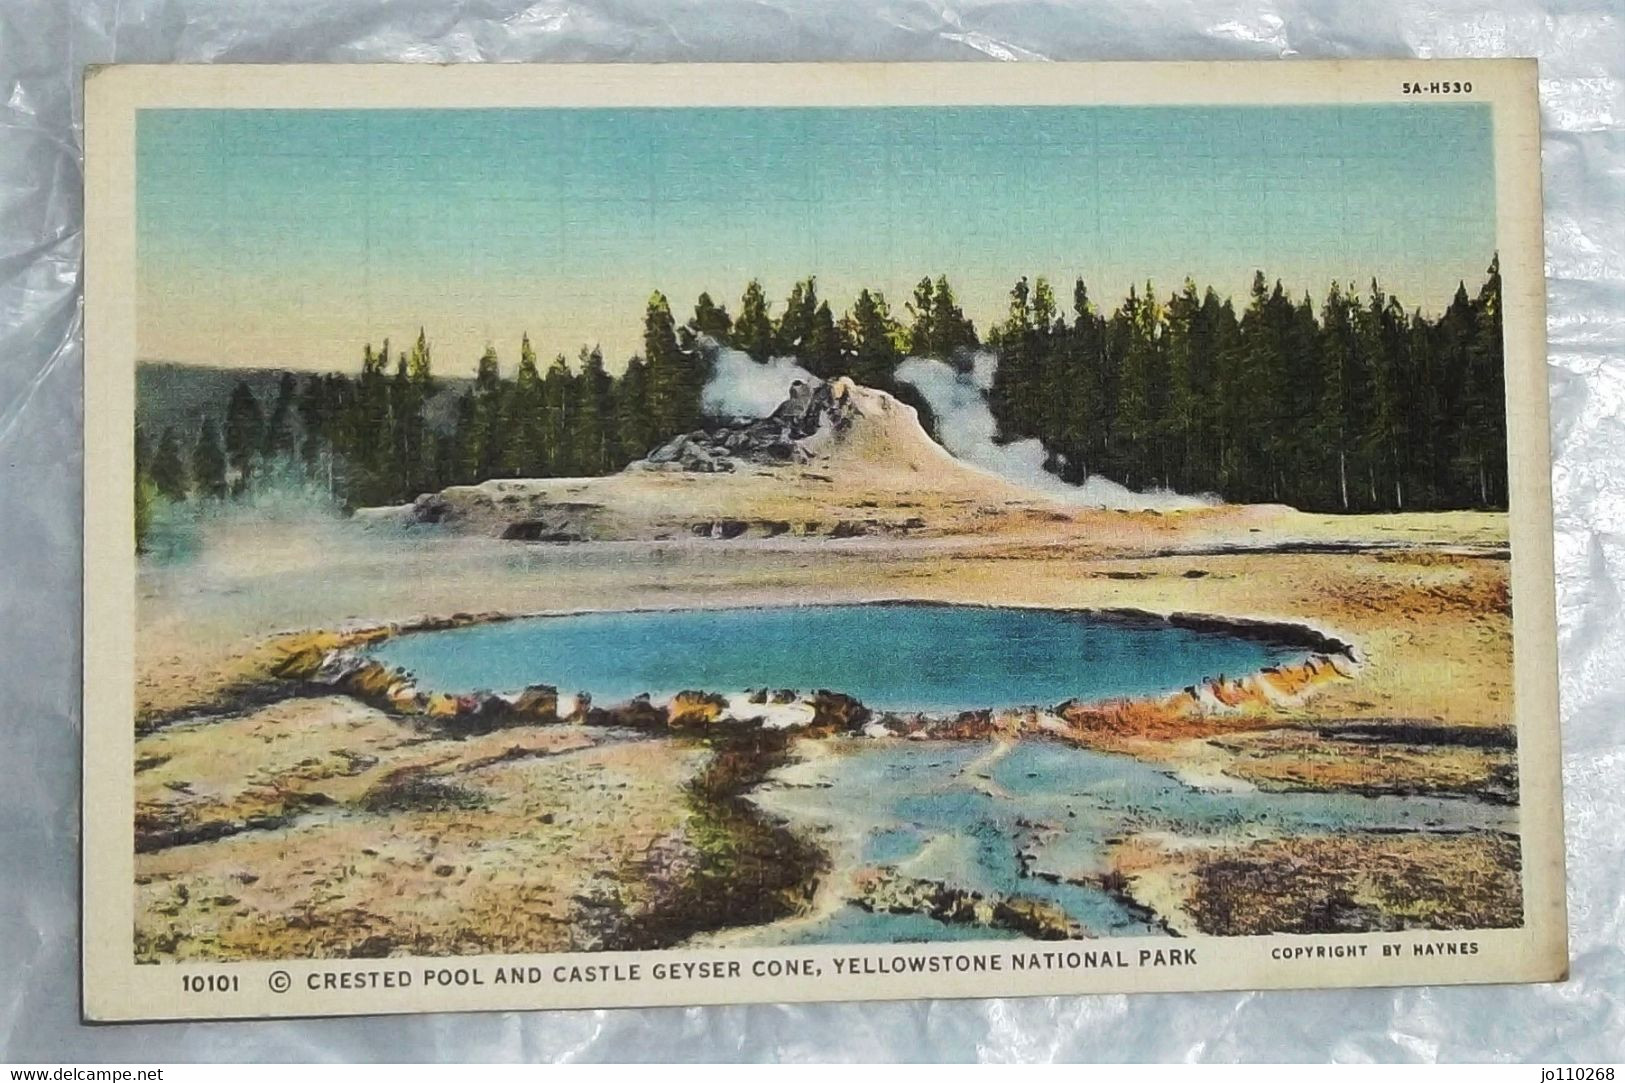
(449, 453)
(490, 407)
(1043, 304)
(1300, 338)
(874, 336)
(402, 410)
(558, 403)
(593, 429)
(414, 387)
(675, 382)
(1264, 382)
(939, 328)
(826, 352)
(1230, 407)
(953, 333)
(527, 450)
(1340, 413)
(245, 432)
(795, 326)
(1051, 369)
(1187, 392)
(710, 321)
(1013, 396)
(1423, 420)
(919, 309)
(209, 463)
(753, 331)
(1091, 397)
(637, 431)
(459, 456)
(1142, 390)
(168, 470)
(281, 437)
(1457, 331)
(329, 455)
(369, 431)
(313, 417)
(1386, 443)
(1484, 409)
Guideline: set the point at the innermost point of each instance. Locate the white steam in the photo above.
(966, 428)
(741, 386)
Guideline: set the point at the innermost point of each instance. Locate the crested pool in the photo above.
(890, 655)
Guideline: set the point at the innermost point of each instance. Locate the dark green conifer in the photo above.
(209, 463)
(168, 469)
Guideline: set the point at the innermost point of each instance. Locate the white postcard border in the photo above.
(117, 989)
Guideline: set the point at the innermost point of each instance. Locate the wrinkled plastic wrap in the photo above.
(43, 49)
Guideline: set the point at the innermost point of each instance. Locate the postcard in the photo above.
(601, 535)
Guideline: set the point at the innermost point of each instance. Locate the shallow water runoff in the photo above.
(892, 656)
(1035, 819)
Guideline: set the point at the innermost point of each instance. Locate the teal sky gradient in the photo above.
(293, 236)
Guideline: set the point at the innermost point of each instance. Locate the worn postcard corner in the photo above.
(619, 535)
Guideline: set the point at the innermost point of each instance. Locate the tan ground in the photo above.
(1295, 760)
(328, 842)
(528, 842)
(1328, 884)
(1423, 628)
(304, 754)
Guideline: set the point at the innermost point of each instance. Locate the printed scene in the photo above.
(606, 529)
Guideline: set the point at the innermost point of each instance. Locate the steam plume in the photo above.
(966, 428)
(743, 387)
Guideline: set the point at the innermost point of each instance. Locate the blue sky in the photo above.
(292, 236)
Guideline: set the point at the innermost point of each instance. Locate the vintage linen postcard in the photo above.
(618, 535)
